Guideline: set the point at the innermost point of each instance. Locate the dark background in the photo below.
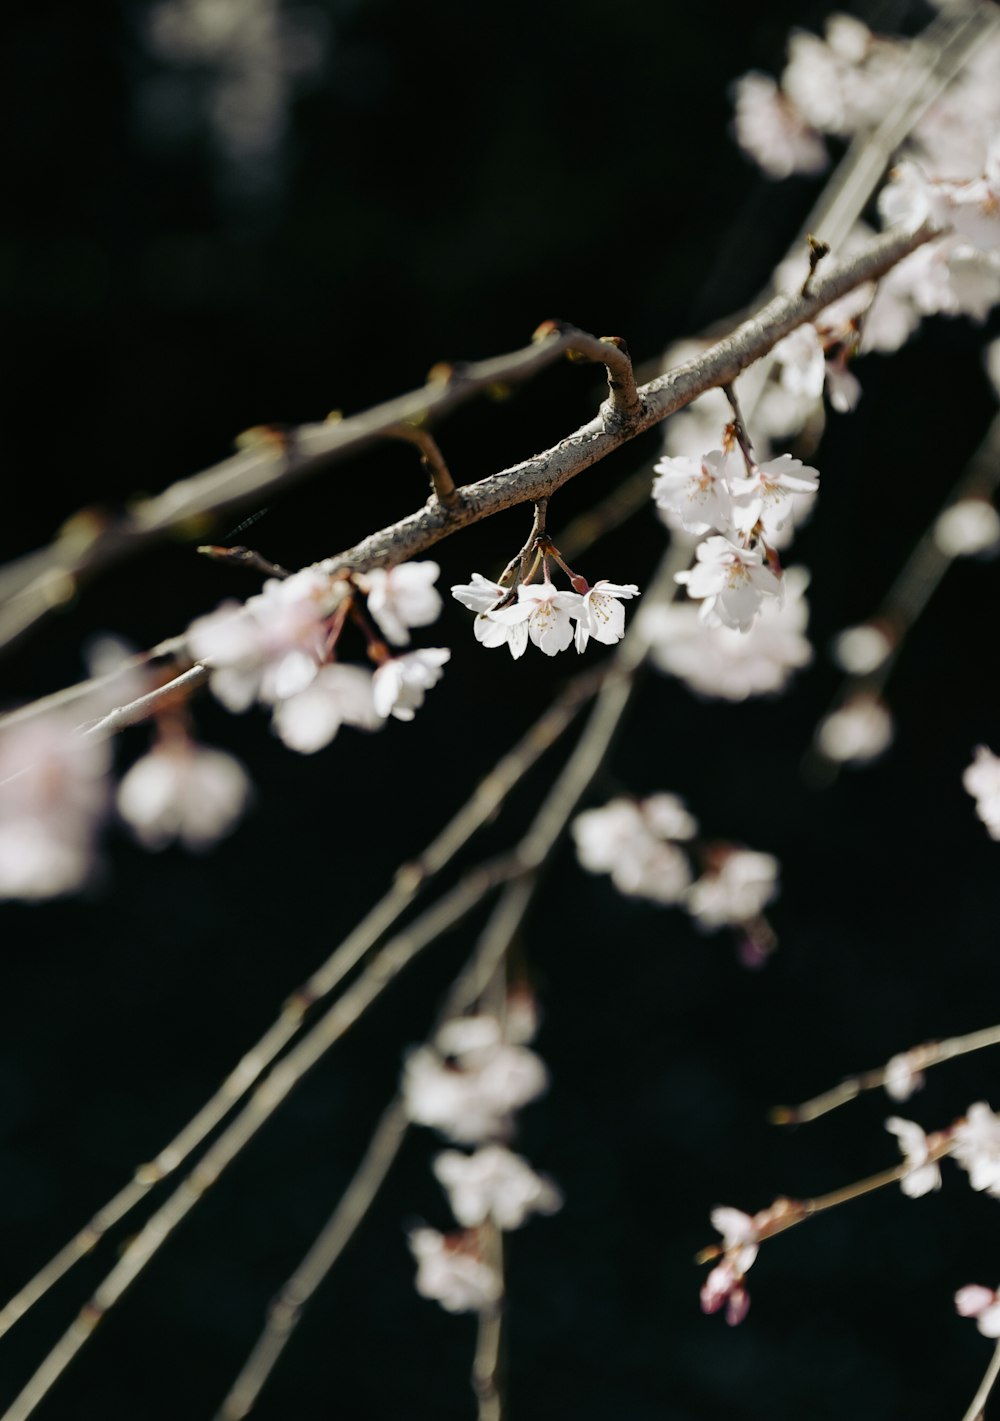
(450, 176)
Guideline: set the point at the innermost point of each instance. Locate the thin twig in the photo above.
(262, 1104)
(918, 1059)
(480, 808)
(977, 1407)
(240, 556)
(442, 483)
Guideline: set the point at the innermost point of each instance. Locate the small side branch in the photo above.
(442, 483)
(977, 1408)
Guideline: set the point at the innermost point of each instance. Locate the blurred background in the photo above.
(224, 213)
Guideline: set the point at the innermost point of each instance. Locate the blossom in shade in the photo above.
(270, 647)
(858, 650)
(730, 581)
(693, 492)
(724, 1285)
(494, 1184)
(635, 842)
(338, 695)
(902, 1076)
(771, 130)
(403, 597)
(451, 1271)
(968, 527)
(735, 890)
(858, 732)
(981, 1303)
(53, 797)
(471, 1080)
(184, 791)
(982, 780)
(976, 1147)
(601, 614)
(400, 684)
(922, 1173)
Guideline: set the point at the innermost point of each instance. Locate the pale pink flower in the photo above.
(338, 695)
(451, 1271)
(400, 684)
(724, 1285)
(982, 780)
(922, 1174)
(53, 796)
(733, 582)
(634, 843)
(771, 130)
(180, 790)
(494, 1184)
(736, 891)
(801, 362)
(981, 1303)
(601, 614)
(403, 597)
(483, 597)
(694, 493)
(976, 1147)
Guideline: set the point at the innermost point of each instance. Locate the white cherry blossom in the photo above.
(922, 1174)
(483, 597)
(735, 891)
(982, 780)
(546, 611)
(694, 492)
(403, 597)
(981, 1303)
(601, 614)
(494, 1184)
(734, 665)
(271, 646)
(400, 684)
(902, 1076)
(976, 1147)
(968, 527)
(859, 650)
(634, 842)
(180, 790)
(338, 695)
(766, 496)
(724, 1284)
(856, 733)
(451, 1271)
(732, 580)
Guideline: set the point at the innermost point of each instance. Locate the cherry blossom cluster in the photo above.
(973, 1142)
(279, 649)
(982, 780)
(648, 846)
(513, 613)
(468, 1084)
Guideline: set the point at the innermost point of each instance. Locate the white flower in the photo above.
(766, 497)
(735, 892)
(339, 695)
(184, 791)
(976, 1147)
(601, 614)
(922, 1174)
(403, 597)
(982, 780)
(494, 1184)
(546, 612)
(719, 661)
(801, 362)
(482, 597)
(902, 1076)
(858, 732)
(724, 1285)
(270, 647)
(399, 685)
(53, 795)
(451, 1272)
(694, 492)
(469, 1083)
(733, 582)
(770, 129)
(981, 1303)
(969, 526)
(739, 1235)
(633, 842)
(859, 650)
